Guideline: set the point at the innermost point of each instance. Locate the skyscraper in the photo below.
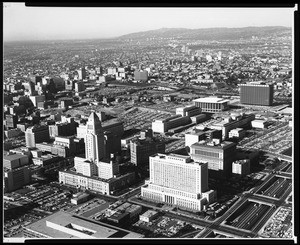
(36, 134)
(94, 139)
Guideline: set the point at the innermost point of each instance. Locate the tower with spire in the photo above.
(94, 139)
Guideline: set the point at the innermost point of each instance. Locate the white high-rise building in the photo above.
(107, 170)
(94, 139)
(178, 180)
(85, 167)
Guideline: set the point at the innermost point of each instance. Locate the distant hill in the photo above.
(211, 33)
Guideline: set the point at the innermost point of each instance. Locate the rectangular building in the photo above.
(162, 126)
(218, 156)
(141, 75)
(104, 186)
(64, 225)
(36, 134)
(241, 167)
(142, 148)
(232, 123)
(194, 137)
(211, 104)
(188, 111)
(177, 180)
(256, 94)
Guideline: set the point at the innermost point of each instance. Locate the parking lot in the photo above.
(90, 208)
(166, 227)
(280, 225)
(141, 118)
(276, 139)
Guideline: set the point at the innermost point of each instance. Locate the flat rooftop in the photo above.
(223, 144)
(63, 220)
(211, 100)
(14, 157)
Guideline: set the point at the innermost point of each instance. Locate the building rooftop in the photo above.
(13, 157)
(96, 177)
(211, 100)
(222, 145)
(149, 213)
(65, 225)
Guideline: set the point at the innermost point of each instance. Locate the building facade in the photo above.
(16, 172)
(241, 167)
(145, 146)
(188, 111)
(94, 139)
(107, 170)
(177, 180)
(104, 186)
(256, 94)
(141, 75)
(162, 126)
(36, 134)
(219, 156)
(211, 104)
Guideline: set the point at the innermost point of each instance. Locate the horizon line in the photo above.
(116, 37)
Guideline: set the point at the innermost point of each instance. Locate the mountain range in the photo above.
(221, 33)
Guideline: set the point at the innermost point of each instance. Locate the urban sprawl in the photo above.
(148, 138)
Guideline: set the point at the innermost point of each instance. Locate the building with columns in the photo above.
(211, 104)
(178, 180)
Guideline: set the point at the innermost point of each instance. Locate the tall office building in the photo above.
(81, 73)
(112, 144)
(79, 86)
(94, 139)
(256, 93)
(177, 180)
(16, 172)
(36, 134)
(145, 146)
(219, 156)
(11, 121)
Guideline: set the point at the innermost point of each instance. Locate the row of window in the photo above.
(206, 153)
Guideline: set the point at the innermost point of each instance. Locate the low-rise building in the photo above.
(162, 126)
(237, 133)
(64, 225)
(211, 104)
(94, 183)
(259, 124)
(79, 198)
(188, 111)
(149, 215)
(241, 167)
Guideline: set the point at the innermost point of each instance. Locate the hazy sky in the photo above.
(42, 23)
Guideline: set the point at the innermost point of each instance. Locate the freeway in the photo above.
(204, 223)
(248, 226)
